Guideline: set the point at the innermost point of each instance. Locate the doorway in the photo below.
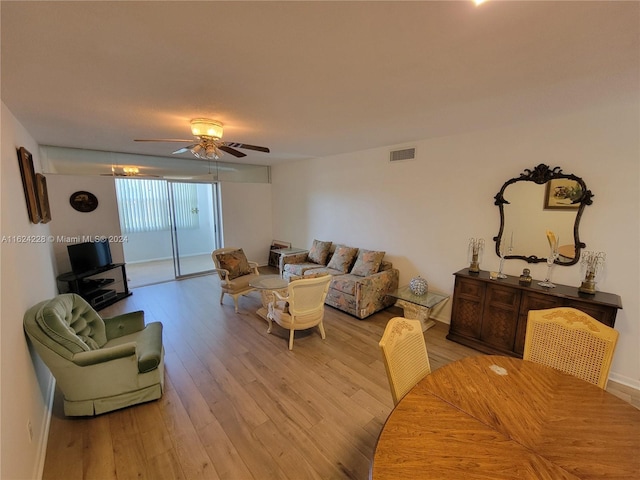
(171, 228)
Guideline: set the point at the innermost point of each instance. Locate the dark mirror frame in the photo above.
(541, 175)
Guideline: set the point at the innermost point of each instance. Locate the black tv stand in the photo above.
(96, 290)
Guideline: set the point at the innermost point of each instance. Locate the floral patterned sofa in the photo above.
(361, 278)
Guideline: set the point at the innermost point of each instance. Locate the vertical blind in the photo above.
(143, 205)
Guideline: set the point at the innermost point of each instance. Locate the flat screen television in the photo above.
(89, 256)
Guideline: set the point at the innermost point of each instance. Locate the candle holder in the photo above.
(551, 258)
(504, 251)
(474, 254)
(592, 263)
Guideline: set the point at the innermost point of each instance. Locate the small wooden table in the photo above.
(494, 417)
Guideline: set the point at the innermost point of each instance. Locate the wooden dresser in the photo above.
(491, 315)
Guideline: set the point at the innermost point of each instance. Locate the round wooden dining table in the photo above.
(492, 417)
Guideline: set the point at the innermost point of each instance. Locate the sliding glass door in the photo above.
(195, 234)
(171, 228)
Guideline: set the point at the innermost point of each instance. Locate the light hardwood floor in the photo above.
(237, 403)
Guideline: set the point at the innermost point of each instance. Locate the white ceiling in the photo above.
(306, 79)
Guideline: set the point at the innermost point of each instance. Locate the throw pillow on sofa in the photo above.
(342, 258)
(235, 262)
(367, 263)
(319, 252)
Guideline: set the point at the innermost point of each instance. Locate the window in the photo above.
(143, 205)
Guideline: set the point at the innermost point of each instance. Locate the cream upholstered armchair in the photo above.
(405, 355)
(235, 272)
(302, 306)
(571, 341)
(99, 364)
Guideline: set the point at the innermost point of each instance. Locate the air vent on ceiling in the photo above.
(404, 154)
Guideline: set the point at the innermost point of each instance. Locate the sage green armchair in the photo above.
(99, 364)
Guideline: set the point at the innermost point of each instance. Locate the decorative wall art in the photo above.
(29, 184)
(83, 201)
(562, 193)
(43, 198)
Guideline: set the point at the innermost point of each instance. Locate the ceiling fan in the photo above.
(208, 141)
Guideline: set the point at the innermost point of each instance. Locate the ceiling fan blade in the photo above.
(161, 140)
(232, 151)
(247, 146)
(184, 149)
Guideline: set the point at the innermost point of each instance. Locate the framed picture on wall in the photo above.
(277, 245)
(562, 194)
(43, 198)
(83, 201)
(29, 184)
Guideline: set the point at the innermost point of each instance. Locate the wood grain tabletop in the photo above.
(494, 417)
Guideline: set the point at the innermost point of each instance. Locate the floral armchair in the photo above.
(235, 272)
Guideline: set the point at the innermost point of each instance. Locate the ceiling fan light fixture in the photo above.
(208, 144)
(204, 127)
(210, 152)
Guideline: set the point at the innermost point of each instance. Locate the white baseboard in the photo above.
(629, 382)
(441, 318)
(44, 429)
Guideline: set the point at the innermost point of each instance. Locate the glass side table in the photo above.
(267, 284)
(419, 307)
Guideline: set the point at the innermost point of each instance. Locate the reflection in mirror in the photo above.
(526, 222)
(539, 200)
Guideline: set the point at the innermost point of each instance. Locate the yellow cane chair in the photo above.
(405, 355)
(571, 341)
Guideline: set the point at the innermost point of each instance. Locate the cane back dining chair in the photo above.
(405, 355)
(302, 306)
(235, 272)
(571, 341)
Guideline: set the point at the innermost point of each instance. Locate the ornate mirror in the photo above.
(539, 200)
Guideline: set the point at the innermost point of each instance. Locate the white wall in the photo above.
(422, 212)
(246, 218)
(70, 226)
(27, 277)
